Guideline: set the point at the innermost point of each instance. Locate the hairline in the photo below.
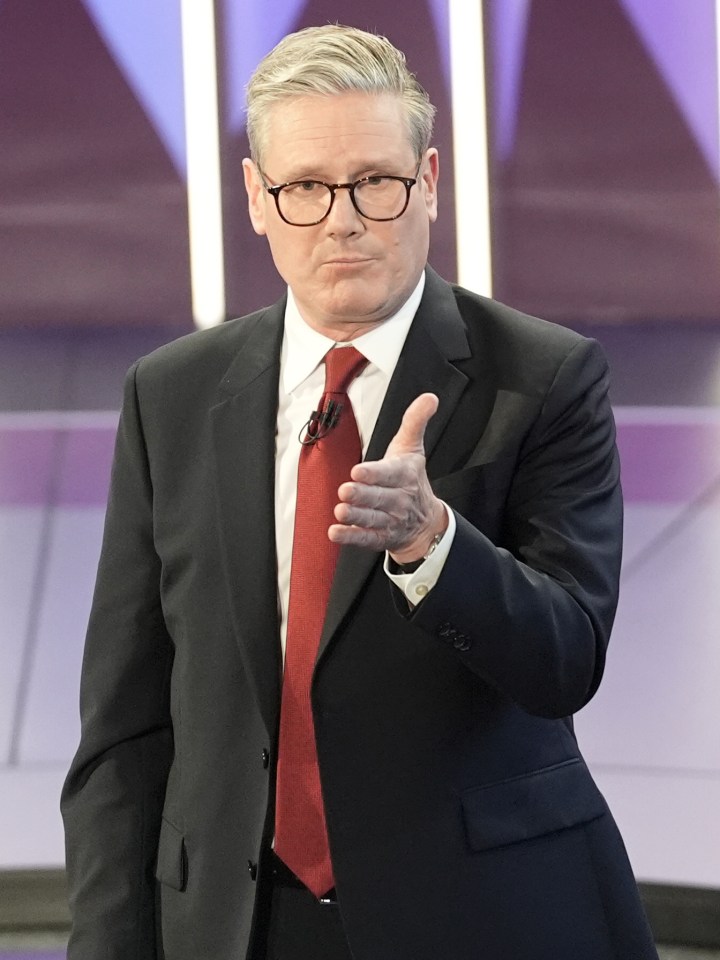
(258, 150)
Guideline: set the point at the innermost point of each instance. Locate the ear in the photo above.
(429, 181)
(256, 196)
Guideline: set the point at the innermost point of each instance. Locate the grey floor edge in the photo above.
(34, 915)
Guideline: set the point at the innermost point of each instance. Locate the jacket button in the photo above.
(447, 632)
(252, 869)
(265, 758)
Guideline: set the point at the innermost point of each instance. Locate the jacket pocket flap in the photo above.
(532, 805)
(172, 859)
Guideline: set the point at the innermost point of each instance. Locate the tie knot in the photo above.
(342, 365)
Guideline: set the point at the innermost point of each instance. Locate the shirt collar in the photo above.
(303, 348)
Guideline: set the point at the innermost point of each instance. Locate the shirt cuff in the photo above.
(416, 586)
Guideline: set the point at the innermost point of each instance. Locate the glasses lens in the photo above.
(381, 198)
(304, 203)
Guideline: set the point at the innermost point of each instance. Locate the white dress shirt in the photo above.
(302, 381)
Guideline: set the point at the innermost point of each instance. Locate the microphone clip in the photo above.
(320, 423)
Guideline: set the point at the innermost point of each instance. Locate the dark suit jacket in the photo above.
(462, 819)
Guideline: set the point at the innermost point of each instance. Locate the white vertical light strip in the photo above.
(207, 274)
(470, 145)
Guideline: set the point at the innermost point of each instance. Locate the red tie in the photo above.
(300, 832)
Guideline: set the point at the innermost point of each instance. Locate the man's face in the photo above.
(347, 274)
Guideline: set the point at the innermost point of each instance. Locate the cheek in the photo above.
(292, 255)
(410, 245)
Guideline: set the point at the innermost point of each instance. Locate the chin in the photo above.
(353, 308)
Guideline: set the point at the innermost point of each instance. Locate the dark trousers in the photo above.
(293, 924)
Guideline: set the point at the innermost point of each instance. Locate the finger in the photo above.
(364, 517)
(357, 536)
(411, 435)
(372, 502)
(393, 471)
(361, 494)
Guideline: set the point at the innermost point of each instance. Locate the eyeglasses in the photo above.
(304, 203)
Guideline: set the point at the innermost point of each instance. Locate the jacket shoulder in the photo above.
(521, 349)
(208, 348)
(501, 320)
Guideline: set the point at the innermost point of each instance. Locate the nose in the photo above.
(343, 218)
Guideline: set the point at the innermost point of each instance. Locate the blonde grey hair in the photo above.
(322, 61)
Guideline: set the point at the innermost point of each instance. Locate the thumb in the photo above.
(411, 435)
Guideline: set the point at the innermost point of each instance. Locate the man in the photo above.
(326, 700)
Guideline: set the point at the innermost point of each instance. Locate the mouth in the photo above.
(347, 261)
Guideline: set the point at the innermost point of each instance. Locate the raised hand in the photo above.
(388, 504)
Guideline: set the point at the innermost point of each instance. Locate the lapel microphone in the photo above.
(320, 423)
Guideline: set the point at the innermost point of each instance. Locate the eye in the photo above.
(303, 188)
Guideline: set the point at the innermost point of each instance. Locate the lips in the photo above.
(347, 261)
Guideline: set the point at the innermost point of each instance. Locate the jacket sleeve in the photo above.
(531, 610)
(112, 798)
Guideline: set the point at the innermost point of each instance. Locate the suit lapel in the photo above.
(244, 424)
(437, 338)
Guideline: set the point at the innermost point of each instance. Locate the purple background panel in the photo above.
(441, 23)
(680, 36)
(250, 31)
(604, 127)
(85, 470)
(668, 463)
(508, 37)
(27, 463)
(146, 41)
(49, 724)
(21, 539)
(55, 467)
(93, 224)
(607, 207)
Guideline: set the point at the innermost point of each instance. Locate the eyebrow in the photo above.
(366, 170)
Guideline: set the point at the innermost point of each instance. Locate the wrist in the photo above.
(412, 557)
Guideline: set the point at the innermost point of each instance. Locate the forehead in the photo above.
(351, 127)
